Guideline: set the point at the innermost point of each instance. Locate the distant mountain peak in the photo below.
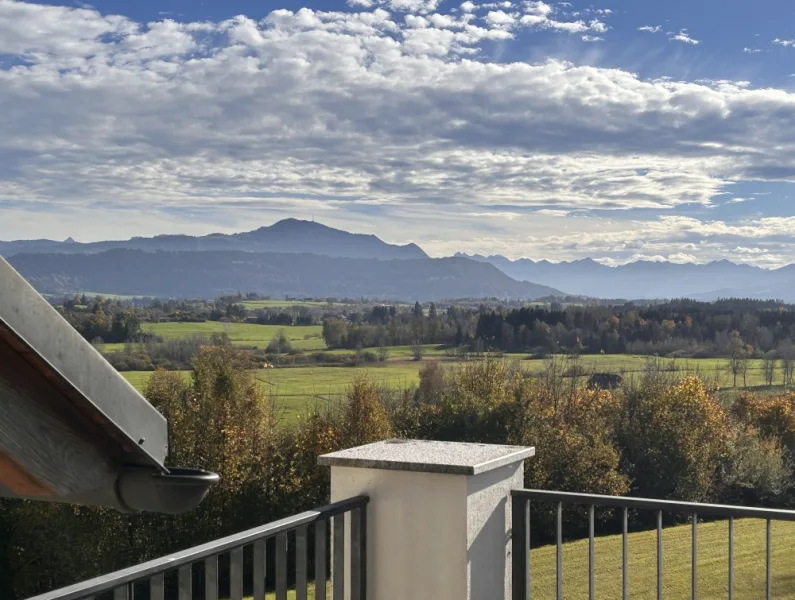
(288, 236)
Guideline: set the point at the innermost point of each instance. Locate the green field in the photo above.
(400, 353)
(302, 337)
(749, 563)
(257, 304)
(294, 391)
(630, 365)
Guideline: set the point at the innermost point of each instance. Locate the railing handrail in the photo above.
(720, 510)
(196, 553)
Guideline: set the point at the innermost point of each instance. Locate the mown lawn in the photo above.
(749, 563)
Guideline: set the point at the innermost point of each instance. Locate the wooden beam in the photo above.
(18, 481)
(44, 450)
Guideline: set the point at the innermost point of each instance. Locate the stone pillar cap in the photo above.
(451, 458)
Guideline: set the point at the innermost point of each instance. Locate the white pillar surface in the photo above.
(439, 517)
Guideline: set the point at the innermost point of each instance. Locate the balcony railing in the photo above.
(522, 568)
(175, 572)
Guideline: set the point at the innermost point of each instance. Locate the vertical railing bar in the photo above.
(355, 552)
(157, 588)
(624, 554)
(281, 566)
(300, 563)
(694, 559)
(185, 583)
(768, 569)
(320, 560)
(211, 577)
(731, 558)
(520, 580)
(338, 570)
(559, 555)
(259, 570)
(527, 546)
(659, 556)
(236, 574)
(591, 590)
(363, 552)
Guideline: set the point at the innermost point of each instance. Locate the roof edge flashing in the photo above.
(64, 357)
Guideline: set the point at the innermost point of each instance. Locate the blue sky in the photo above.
(615, 130)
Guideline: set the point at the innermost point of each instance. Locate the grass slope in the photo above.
(749, 563)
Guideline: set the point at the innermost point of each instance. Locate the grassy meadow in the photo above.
(294, 391)
(259, 304)
(302, 337)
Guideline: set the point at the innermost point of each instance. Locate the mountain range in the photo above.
(288, 235)
(207, 274)
(305, 258)
(651, 279)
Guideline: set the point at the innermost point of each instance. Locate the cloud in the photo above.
(592, 38)
(214, 126)
(751, 50)
(468, 7)
(785, 43)
(498, 18)
(650, 28)
(683, 37)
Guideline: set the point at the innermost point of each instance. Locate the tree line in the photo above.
(682, 328)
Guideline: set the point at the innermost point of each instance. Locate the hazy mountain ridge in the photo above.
(288, 235)
(650, 279)
(205, 274)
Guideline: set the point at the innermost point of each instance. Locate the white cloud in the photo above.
(785, 43)
(215, 126)
(650, 28)
(537, 7)
(468, 6)
(592, 38)
(498, 18)
(751, 50)
(683, 37)
(541, 15)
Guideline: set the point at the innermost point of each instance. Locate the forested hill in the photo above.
(289, 235)
(211, 274)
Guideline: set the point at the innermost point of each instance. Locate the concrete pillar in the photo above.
(439, 518)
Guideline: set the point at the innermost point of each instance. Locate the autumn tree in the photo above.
(673, 438)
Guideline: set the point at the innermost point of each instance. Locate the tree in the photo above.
(334, 332)
(674, 438)
(769, 367)
(383, 353)
(786, 351)
(280, 345)
(737, 355)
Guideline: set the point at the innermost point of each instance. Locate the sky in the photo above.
(617, 130)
